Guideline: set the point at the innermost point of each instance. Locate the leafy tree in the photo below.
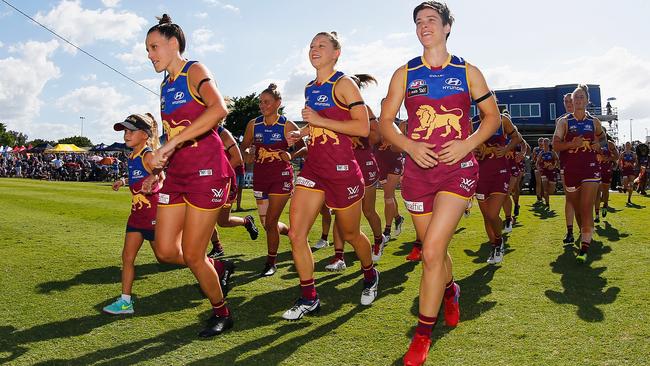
(80, 141)
(19, 137)
(240, 111)
(36, 142)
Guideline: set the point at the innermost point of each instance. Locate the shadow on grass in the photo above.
(473, 288)
(583, 284)
(543, 213)
(483, 252)
(606, 230)
(247, 316)
(105, 275)
(170, 300)
(634, 205)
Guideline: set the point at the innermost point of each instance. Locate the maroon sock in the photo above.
(417, 244)
(218, 266)
(271, 257)
(220, 309)
(569, 229)
(378, 240)
(324, 236)
(425, 325)
(338, 254)
(450, 289)
(369, 273)
(217, 245)
(585, 246)
(308, 289)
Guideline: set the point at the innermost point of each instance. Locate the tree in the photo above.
(77, 140)
(37, 142)
(240, 111)
(19, 137)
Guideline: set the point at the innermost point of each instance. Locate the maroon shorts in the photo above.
(548, 174)
(370, 172)
(573, 178)
(341, 191)
(419, 195)
(202, 193)
(262, 189)
(492, 181)
(514, 168)
(392, 166)
(627, 173)
(606, 176)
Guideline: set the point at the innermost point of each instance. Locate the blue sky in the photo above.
(46, 86)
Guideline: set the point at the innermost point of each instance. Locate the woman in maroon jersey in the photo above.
(197, 171)
(581, 136)
(272, 172)
(334, 111)
(441, 172)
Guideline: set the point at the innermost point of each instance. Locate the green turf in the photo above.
(60, 247)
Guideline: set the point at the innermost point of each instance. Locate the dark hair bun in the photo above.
(164, 19)
(334, 33)
(272, 86)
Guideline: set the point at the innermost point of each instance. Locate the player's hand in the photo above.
(285, 156)
(454, 150)
(500, 151)
(117, 184)
(577, 141)
(293, 137)
(312, 117)
(422, 153)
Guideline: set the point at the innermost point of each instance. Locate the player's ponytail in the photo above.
(362, 80)
(154, 139)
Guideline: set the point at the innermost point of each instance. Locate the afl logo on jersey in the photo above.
(417, 87)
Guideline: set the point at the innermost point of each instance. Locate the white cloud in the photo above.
(2, 44)
(203, 37)
(89, 77)
(136, 59)
(111, 3)
(201, 15)
(220, 4)
(84, 26)
(22, 79)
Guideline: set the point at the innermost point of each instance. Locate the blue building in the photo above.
(534, 110)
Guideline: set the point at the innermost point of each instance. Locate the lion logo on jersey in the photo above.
(138, 201)
(356, 142)
(430, 121)
(263, 154)
(586, 146)
(316, 132)
(486, 152)
(176, 129)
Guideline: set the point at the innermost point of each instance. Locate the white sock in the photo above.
(126, 298)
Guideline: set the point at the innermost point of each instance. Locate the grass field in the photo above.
(60, 246)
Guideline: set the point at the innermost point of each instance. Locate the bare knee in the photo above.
(433, 259)
(193, 260)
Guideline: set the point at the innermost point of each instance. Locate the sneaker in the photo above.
(399, 220)
(120, 306)
(229, 269)
(508, 227)
(516, 212)
(490, 259)
(452, 308)
(582, 257)
(321, 243)
(597, 219)
(302, 307)
(415, 255)
(378, 249)
(269, 270)
(336, 265)
(603, 212)
(498, 254)
(466, 213)
(370, 290)
(215, 326)
(216, 252)
(568, 240)
(418, 350)
(250, 227)
(503, 245)
(547, 206)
